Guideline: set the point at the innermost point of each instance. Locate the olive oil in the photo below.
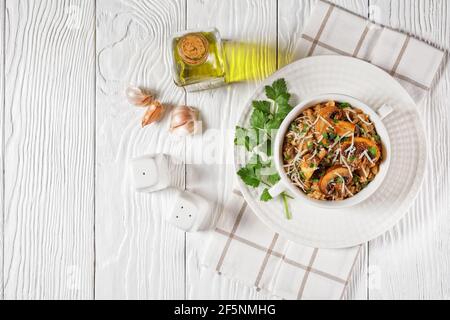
(199, 60)
(249, 61)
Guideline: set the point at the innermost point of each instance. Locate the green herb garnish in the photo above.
(373, 151)
(339, 180)
(331, 136)
(363, 132)
(266, 117)
(265, 196)
(344, 105)
(273, 179)
(263, 106)
(295, 128)
(250, 175)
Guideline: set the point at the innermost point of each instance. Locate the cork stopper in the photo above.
(193, 48)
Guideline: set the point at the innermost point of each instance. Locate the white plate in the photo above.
(341, 228)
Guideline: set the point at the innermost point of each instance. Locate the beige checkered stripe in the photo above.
(325, 19)
(317, 41)
(343, 53)
(231, 237)
(270, 252)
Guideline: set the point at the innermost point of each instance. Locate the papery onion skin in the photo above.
(138, 97)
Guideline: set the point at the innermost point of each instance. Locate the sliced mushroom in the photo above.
(343, 128)
(365, 144)
(326, 120)
(332, 174)
(289, 152)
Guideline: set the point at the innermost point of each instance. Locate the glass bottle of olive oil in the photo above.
(198, 59)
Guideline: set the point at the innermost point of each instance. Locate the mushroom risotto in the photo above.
(332, 151)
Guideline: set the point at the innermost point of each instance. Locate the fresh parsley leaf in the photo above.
(249, 176)
(240, 136)
(246, 138)
(267, 148)
(263, 106)
(273, 179)
(257, 139)
(257, 163)
(266, 196)
(283, 98)
(273, 124)
(258, 119)
(253, 138)
(283, 110)
(280, 86)
(271, 93)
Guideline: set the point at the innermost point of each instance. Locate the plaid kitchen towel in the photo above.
(332, 30)
(242, 247)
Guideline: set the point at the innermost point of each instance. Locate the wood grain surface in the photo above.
(74, 228)
(49, 150)
(138, 255)
(249, 27)
(2, 114)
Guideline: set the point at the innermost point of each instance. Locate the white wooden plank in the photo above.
(250, 22)
(293, 16)
(412, 261)
(138, 255)
(49, 156)
(2, 108)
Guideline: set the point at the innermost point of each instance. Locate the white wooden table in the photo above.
(72, 226)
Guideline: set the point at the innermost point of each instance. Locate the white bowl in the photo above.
(286, 184)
